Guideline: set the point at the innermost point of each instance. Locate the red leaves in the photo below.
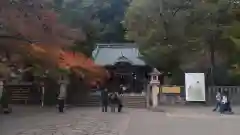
(70, 59)
(77, 62)
(32, 20)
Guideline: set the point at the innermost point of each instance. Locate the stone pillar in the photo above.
(155, 92)
(154, 87)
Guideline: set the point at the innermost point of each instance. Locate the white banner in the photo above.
(195, 86)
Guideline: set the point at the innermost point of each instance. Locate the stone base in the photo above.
(5, 110)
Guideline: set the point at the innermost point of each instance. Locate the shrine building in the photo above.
(123, 62)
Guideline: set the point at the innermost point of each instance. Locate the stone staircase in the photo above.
(129, 101)
(134, 101)
(91, 101)
(20, 95)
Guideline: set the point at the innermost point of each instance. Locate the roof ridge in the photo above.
(116, 45)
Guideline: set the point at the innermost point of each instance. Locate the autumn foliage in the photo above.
(34, 21)
(69, 60)
(47, 39)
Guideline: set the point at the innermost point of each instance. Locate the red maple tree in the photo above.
(37, 23)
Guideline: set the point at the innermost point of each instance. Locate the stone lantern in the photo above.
(154, 80)
(153, 89)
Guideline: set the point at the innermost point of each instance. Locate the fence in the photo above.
(234, 94)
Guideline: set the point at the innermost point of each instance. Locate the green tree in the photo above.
(158, 26)
(100, 19)
(234, 60)
(169, 31)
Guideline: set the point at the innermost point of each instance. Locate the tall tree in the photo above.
(100, 19)
(158, 26)
(169, 31)
(33, 20)
(234, 60)
(26, 22)
(33, 28)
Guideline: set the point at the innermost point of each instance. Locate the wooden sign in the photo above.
(171, 90)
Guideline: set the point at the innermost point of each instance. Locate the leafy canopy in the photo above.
(169, 31)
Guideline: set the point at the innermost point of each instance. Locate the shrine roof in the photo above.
(110, 54)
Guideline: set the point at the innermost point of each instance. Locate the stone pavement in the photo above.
(90, 121)
(184, 121)
(76, 121)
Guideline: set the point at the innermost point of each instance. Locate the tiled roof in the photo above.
(109, 54)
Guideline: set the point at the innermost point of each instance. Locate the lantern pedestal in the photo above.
(153, 89)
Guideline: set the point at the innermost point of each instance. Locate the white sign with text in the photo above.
(195, 87)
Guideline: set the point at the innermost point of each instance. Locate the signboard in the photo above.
(195, 86)
(171, 90)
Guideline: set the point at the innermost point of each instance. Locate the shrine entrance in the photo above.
(130, 76)
(122, 60)
(123, 74)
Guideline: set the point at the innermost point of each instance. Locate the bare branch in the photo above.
(16, 38)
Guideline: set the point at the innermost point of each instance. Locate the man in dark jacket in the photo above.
(104, 100)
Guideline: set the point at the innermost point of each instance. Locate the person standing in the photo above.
(1, 88)
(4, 100)
(120, 91)
(114, 101)
(62, 94)
(218, 100)
(225, 103)
(104, 99)
(120, 104)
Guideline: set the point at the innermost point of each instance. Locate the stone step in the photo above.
(128, 101)
(19, 94)
(90, 104)
(134, 101)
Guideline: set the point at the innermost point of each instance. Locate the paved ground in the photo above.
(90, 121)
(76, 121)
(184, 121)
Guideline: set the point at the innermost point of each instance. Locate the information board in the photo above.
(195, 86)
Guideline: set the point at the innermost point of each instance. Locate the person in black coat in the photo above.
(104, 99)
(4, 100)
